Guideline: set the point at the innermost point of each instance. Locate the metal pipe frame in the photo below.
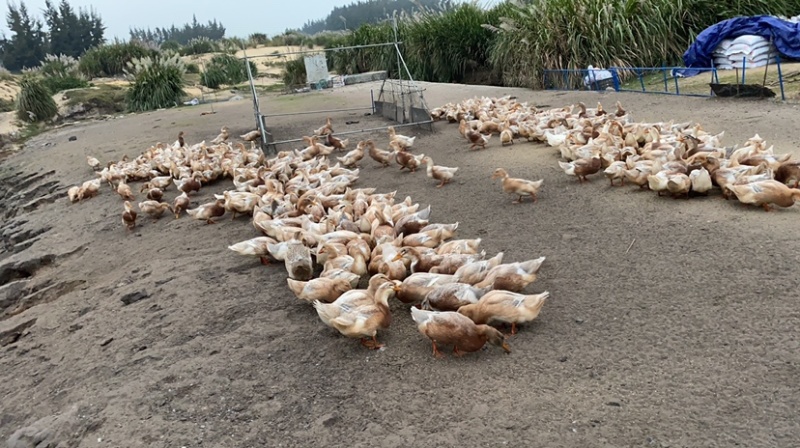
(320, 111)
(359, 131)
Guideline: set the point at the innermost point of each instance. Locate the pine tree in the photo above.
(72, 33)
(26, 46)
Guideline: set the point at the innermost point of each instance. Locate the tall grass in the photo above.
(111, 59)
(156, 82)
(225, 69)
(61, 73)
(294, 73)
(199, 45)
(513, 42)
(572, 34)
(34, 101)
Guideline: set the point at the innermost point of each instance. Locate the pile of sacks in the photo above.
(744, 51)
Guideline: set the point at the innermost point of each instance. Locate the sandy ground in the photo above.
(688, 339)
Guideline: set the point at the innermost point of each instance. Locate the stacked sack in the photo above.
(744, 51)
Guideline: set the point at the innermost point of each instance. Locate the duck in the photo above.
(258, 247)
(788, 172)
(161, 182)
(180, 204)
(154, 209)
(352, 158)
(581, 168)
(124, 190)
(428, 279)
(616, 170)
(477, 139)
(452, 328)
(251, 136)
(451, 297)
(441, 173)
(679, 184)
(412, 293)
(239, 202)
(421, 259)
(516, 186)
(407, 160)
(325, 129)
(430, 239)
(323, 289)
(298, 260)
(73, 192)
(766, 193)
(337, 143)
(513, 276)
(360, 320)
(89, 189)
(701, 181)
(128, 216)
(506, 135)
(506, 307)
(190, 184)
(223, 136)
(206, 212)
(459, 247)
(379, 155)
(94, 164)
(403, 141)
(477, 271)
(154, 194)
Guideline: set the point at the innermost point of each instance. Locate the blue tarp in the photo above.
(785, 35)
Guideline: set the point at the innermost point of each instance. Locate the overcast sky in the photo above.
(241, 18)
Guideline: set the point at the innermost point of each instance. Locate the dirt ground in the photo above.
(687, 339)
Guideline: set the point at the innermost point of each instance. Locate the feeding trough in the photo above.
(742, 90)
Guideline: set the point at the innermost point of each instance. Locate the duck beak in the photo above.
(506, 348)
(397, 257)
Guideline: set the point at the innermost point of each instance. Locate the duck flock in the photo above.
(677, 159)
(332, 236)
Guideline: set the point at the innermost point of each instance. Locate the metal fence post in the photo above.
(640, 73)
(744, 68)
(664, 72)
(780, 76)
(615, 78)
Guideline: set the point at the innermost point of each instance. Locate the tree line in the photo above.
(69, 32)
(212, 30)
(369, 11)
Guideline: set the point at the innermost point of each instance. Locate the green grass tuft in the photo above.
(155, 82)
(34, 101)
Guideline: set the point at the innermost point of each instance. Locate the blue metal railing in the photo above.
(603, 79)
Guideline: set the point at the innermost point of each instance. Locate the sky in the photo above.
(240, 18)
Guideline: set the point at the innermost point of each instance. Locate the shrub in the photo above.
(5, 75)
(225, 69)
(171, 45)
(294, 73)
(7, 105)
(105, 99)
(112, 59)
(232, 44)
(258, 39)
(60, 73)
(156, 82)
(199, 45)
(192, 68)
(34, 101)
